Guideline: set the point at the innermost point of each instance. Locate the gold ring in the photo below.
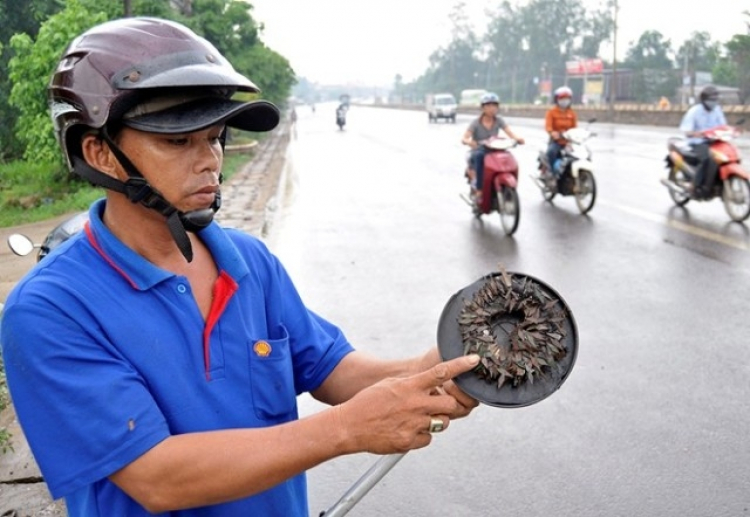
(436, 425)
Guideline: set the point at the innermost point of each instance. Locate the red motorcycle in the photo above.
(499, 192)
(731, 182)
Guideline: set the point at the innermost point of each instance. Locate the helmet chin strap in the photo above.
(137, 190)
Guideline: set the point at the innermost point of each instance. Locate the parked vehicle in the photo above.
(441, 106)
(499, 184)
(731, 183)
(22, 245)
(574, 170)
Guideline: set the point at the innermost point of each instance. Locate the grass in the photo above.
(36, 192)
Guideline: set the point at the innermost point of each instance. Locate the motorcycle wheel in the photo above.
(548, 193)
(682, 180)
(586, 192)
(508, 204)
(736, 198)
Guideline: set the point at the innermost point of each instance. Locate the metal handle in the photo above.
(358, 490)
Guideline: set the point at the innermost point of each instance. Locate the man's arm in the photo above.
(391, 416)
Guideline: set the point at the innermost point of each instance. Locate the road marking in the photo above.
(683, 227)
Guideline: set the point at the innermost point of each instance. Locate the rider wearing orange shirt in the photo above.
(559, 119)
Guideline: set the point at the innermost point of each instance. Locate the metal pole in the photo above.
(613, 82)
(359, 489)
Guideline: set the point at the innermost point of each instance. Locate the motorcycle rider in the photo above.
(704, 115)
(486, 126)
(557, 120)
(341, 115)
(155, 359)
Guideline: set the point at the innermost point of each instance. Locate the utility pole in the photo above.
(613, 80)
(685, 79)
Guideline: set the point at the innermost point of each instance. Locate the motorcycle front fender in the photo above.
(579, 165)
(505, 178)
(732, 169)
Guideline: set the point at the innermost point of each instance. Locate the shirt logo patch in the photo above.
(262, 349)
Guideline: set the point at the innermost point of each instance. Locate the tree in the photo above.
(226, 23)
(30, 70)
(229, 25)
(739, 54)
(539, 37)
(15, 17)
(698, 54)
(455, 66)
(654, 70)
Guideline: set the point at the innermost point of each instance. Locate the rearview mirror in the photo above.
(20, 244)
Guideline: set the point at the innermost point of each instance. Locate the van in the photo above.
(441, 105)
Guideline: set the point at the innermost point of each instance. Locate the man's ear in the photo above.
(98, 155)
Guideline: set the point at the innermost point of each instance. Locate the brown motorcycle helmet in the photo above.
(151, 75)
(112, 67)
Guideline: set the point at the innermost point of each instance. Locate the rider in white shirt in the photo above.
(704, 115)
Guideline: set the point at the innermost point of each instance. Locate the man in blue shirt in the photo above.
(704, 115)
(154, 359)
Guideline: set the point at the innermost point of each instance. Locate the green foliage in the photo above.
(15, 17)
(225, 23)
(230, 27)
(739, 55)
(522, 41)
(30, 71)
(269, 70)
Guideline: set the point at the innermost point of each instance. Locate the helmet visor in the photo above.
(198, 114)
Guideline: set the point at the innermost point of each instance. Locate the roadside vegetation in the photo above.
(34, 181)
(525, 51)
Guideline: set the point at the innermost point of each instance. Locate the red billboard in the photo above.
(584, 66)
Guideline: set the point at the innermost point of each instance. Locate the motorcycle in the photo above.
(21, 245)
(341, 117)
(499, 184)
(731, 182)
(574, 174)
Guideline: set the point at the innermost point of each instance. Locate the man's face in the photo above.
(490, 108)
(184, 168)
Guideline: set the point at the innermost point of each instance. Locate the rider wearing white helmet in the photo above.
(487, 125)
(559, 119)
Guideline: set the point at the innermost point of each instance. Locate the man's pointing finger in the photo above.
(445, 371)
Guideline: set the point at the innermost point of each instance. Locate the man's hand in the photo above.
(394, 415)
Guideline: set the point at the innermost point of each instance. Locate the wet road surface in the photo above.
(653, 419)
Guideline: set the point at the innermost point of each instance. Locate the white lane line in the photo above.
(679, 225)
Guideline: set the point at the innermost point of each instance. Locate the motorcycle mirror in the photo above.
(528, 314)
(20, 244)
(740, 121)
(592, 120)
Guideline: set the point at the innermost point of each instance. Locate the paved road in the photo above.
(653, 419)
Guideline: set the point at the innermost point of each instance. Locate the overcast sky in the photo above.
(369, 42)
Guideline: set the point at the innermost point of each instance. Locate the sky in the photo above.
(369, 42)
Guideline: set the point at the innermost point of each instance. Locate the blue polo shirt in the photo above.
(107, 355)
